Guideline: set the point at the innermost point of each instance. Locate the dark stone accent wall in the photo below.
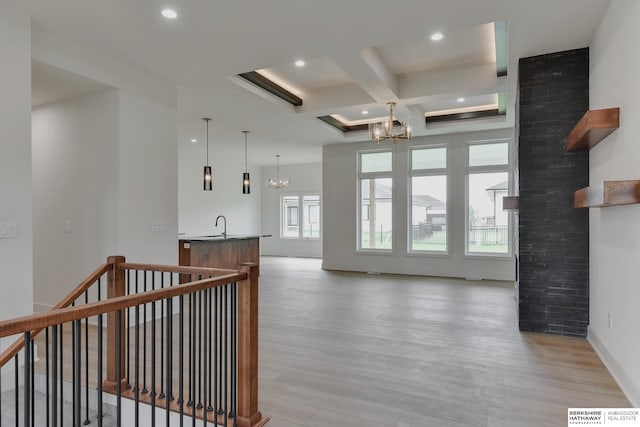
(553, 235)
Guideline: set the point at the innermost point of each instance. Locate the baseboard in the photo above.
(617, 372)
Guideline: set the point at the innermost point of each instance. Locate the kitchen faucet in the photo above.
(224, 234)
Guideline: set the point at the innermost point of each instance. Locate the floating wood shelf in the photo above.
(608, 193)
(594, 126)
(511, 202)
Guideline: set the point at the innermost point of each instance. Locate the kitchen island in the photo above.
(219, 251)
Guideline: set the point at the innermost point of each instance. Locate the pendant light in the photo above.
(278, 182)
(207, 180)
(390, 129)
(246, 182)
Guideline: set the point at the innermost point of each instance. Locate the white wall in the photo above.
(304, 179)
(340, 214)
(16, 278)
(198, 209)
(147, 180)
(615, 231)
(74, 163)
(129, 139)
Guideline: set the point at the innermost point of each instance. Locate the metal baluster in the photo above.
(86, 358)
(200, 348)
(209, 377)
(136, 387)
(181, 362)
(77, 372)
(100, 412)
(27, 378)
(119, 368)
(192, 381)
(226, 354)
(153, 355)
(170, 394)
(128, 327)
(54, 376)
(46, 367)
(215, 356)
(33, 385)
(190, 400)
(144, 338)
(162, 394)
(0, 396)
(205, 415)
(73, 371)
(234, 353)
(61, 375)
(17, 388)
(169, 360)
(220, 347)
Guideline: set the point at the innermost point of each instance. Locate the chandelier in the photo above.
(389, 129)
(278, 183)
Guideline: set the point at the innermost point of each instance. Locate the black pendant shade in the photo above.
(207, 179)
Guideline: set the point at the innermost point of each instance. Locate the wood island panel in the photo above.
(223, 253)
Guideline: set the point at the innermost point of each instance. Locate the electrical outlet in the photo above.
(8, 230)
(609, 320)
(67, 226)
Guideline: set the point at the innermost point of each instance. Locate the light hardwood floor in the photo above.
(351, 349)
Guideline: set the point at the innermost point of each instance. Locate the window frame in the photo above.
(300, 217)
(372, 175)
(498, 168)
(446, 171)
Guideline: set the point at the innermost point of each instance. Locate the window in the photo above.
(375, 201)
(488, 225)
(428, 199)
(300, 217)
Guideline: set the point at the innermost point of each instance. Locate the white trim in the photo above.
(617, 372)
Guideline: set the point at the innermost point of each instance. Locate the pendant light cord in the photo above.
(246, 132)
(207, 120)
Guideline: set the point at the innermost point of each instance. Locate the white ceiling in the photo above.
(359, 54)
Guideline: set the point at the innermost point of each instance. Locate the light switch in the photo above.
(67, 227)
(158, 227)
(8, 230)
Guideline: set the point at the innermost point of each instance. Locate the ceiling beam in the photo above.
(367, 69)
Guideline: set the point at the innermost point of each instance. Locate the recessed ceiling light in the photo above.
(169, 13)
(365, 112)
(461, 99)
(193, 141)
(300, 63)
(437, 36)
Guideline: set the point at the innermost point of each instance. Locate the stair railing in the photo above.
(180, 342)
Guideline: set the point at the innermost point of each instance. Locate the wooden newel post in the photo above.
(248, 413)
(115, 288)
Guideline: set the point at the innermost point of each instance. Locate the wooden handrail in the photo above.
(176, 269)
(64, 315)
(18, 344)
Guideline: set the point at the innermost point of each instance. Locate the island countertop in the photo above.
(220, 237)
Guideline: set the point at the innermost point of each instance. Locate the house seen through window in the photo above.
(300, 216)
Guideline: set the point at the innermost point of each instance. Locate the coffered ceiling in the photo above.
(358, 56)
